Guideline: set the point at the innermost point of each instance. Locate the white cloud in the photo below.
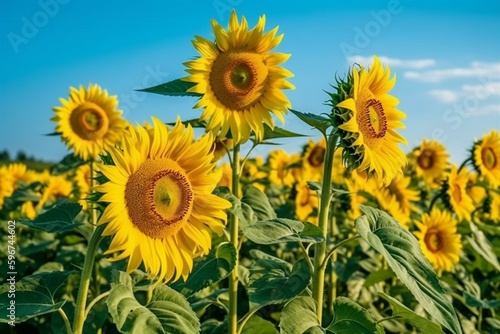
(476, 69)
(489, 88)
(479, 92)
(486, 110)
(393, 62)
(445, 95)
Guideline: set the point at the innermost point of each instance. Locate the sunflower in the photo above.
(430, 160)
(161, 208)
(6, 184)
(486, 157)
(456, 193)
(280, 173)
(358, 186)
(239, 79)
(439, 240)
(252, 173)
(88, 121)
(314, 158)
(475, 191)
(82, 177)
(398, 199)
(56, 187)
(306, 200)
(226, 179)
(222, 147)
(369, 119)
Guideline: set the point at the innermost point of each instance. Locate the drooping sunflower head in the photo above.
(439, 239)
(89, 121)
(239, 79)
(161, 210)
(456, 197)
(367, 119)
(430, 160)
(486, 157)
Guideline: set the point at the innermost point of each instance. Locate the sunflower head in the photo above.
(486, 157)
(439, 239)
(429, 160)
(88, 121)
(454, 190)
(366, 119)
(161, 211)
(314, 157)
(239, 79)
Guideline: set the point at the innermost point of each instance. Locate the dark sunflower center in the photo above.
(89, 121)
(237, 79)
(426, 159)
(372, 120)
(317, 156)
(489, 158)
(159, 198)
(434, 241)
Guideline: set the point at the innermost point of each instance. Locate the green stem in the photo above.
(332, 284)
(234, 234)
(306, 256)
(433, 201)
(95, 301)
(85, 279)
(393, 317)
(93, 221)
(66, 320)
(318, 279)
(247, 317)
(463, 164)
(341, 243)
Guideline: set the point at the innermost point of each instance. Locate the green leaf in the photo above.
(299, 315)
(210, 269)
(282, 230)
(316, 186)
(34, 295)
(277, 284)
(176, 87)
(349, 317)
(167, 312)
(482, 246)
(68, 163)
(258, 202)
(473, 301)
(378, 276)
(60, 218)
(279, 133)
(422, 324)
(243, 211)
(404, 256)
(257, 325)
(318, 122)
(195, 123)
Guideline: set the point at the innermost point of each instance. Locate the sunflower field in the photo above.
(175, 226)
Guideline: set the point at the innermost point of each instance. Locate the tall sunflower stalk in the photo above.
(87, 122)
(365, 118)
(320, 251)
(234, 239)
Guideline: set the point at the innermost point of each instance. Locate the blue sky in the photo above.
(446, 56)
